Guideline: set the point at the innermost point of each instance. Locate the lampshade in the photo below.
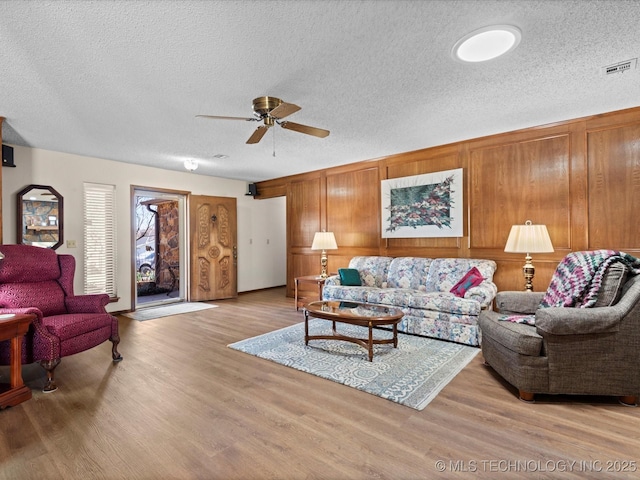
(528, 238)
(324, 241)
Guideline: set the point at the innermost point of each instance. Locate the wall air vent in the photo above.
(620, 67)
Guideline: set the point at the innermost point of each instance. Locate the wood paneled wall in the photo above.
(581, 178)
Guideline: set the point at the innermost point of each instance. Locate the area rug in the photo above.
(152, 313)
(411, 375)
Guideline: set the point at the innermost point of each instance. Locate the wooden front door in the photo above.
(214, 250)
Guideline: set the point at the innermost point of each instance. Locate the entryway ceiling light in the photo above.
(190, 164)
(487, 43)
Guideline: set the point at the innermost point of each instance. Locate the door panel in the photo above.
(212, 226)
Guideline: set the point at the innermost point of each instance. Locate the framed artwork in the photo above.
(427, 205)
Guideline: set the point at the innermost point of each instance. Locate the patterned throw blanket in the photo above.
(577, 280)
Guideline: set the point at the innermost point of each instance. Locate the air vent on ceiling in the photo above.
(620, 67)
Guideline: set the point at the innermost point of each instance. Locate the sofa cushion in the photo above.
(340, 292)
(399, 297)
(471, 279)
(373, 270)
(517, 337)
(443, 302)
(408, 272)
(612, 283)
(452, 317)
(444, 273)
(349, 277)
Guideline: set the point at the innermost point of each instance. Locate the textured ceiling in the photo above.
(124, 80)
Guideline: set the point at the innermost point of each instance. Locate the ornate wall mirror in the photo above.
(40, 217)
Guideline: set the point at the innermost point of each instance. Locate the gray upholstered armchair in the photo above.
(568, 349)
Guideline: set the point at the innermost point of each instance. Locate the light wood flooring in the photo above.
(184, 406)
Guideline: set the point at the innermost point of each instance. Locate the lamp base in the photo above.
(528, 271)
(323, 262)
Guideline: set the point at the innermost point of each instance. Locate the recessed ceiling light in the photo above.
(487, 43)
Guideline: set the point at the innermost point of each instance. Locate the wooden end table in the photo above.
(353, 313)
(316, 280)
(13, 327)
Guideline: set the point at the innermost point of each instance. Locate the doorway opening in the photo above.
(160, 269)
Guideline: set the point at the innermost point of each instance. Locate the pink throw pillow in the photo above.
(471, 279)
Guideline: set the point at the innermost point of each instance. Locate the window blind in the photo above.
(99, 239)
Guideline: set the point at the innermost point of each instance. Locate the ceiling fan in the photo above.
(271, 111)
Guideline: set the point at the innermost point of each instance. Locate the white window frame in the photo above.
(100, 257)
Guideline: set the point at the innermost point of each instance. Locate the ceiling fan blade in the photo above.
(246, 119)
(296, 127)
(284, 110)
(258, 134)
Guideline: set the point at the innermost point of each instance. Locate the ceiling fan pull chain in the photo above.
(274, 141)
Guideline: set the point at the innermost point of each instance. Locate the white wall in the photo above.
(261, 223)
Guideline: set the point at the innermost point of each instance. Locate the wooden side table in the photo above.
(13, 328)
(316, 280)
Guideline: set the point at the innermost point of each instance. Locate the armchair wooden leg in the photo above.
(114, 351)
(526, 396)
(629, 400)
(50, 366)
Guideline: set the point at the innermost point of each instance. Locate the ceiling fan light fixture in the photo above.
(190, 164)
(270, 111)
(486, 43)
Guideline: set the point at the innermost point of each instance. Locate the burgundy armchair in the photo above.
(37, 280)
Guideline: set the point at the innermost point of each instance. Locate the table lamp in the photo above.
(324, 241)
(528, 238)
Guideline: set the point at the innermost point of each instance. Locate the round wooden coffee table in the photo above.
(354, 313)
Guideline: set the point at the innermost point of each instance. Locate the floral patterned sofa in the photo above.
(421, 287)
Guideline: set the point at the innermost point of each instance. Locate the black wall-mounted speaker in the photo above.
(253, 189)
(7, 156)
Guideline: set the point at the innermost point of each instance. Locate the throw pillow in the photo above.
(471, 279)
(612, 283)
(349, 276)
